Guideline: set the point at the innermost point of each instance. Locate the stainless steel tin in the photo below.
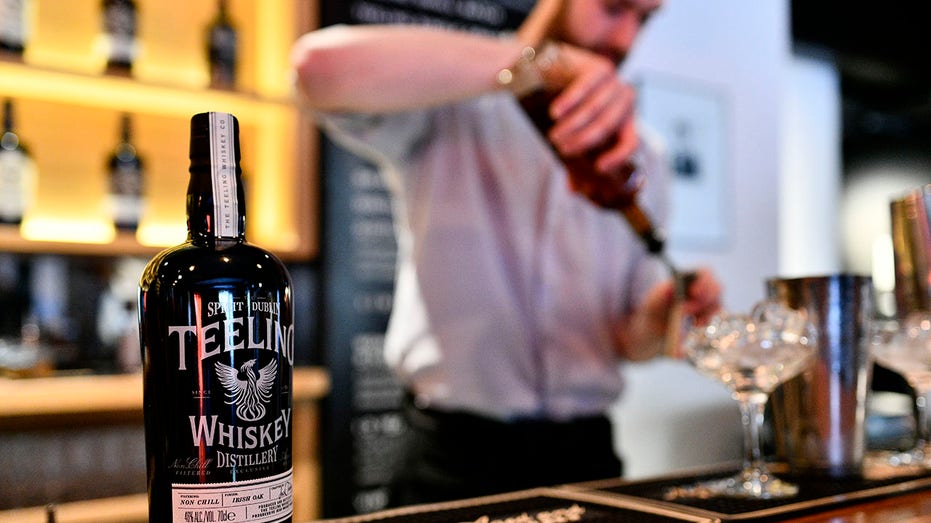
(819, 416)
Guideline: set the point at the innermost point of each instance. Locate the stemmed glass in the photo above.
(751, 355)
(906, 349)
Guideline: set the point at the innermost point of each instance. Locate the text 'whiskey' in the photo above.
(217, 336)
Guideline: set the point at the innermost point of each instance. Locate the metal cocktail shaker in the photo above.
(819, 416)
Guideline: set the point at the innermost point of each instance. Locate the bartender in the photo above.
(516, 295)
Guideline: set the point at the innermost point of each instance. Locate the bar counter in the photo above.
(905, 498)
(57, 402)
(913, 507)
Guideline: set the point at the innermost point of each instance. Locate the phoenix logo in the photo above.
(249, 394)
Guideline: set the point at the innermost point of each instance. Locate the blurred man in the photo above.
(517, 293)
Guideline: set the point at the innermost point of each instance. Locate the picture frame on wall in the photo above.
(691, 118)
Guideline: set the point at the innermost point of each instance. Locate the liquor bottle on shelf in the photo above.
(125, 171)
(217, 335)
(221, 49)
(119, 32)
(13, 27)
(17, 171)
(14, 298)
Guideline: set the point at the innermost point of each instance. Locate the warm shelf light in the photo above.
(117, 93)
(161, 234)
(67, 230)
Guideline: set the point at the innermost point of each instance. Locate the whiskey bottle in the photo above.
(119, 31)
(622, 199)
(125, 171)
(17, 171)
(217, 335)
(221, 49)
(13, 27)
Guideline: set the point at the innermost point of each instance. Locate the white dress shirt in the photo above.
(508, 285)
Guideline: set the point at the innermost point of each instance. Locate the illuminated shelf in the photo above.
(122, 243)
(19, 80)
(67, 111)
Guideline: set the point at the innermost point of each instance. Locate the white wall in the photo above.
(812, 170)
(670, 417)
(740, 49)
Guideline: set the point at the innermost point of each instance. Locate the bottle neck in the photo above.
(536, 105)
(9, 141)
(8, 116)
(126, 129)
(125, 151)
(216, 204)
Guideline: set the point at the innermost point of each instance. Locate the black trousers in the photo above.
(459, 455)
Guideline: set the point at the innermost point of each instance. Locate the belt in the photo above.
(474, 427)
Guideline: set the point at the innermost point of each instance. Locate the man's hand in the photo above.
(641, 335)
(593, 130)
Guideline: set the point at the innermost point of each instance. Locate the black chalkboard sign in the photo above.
(362, 423)
(472, 15)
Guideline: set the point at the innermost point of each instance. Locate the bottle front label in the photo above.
(120, 28)
(17, 175)
(12, 22)
(125, 198)
(261, 501)
(230, 443)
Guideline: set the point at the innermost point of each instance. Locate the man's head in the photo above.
(607, 27)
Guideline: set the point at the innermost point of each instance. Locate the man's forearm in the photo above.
(393, 68)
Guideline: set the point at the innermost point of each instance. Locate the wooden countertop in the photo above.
(58, 401)
(907, 501)
(914, 507)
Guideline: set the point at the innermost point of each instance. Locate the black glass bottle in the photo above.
(221, 49)
(13, 30)
(119, 28)
(609, 196)
(217, 335)
(125, 169)
(17, 170)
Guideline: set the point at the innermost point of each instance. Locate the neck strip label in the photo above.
(223, 175)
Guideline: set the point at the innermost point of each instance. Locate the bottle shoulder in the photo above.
(10, 142)
(124, 153)
(189, 264)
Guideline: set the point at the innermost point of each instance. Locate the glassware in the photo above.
(751, 355)
(905, 348)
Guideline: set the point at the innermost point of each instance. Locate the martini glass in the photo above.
(906, 349)
(750, 355)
